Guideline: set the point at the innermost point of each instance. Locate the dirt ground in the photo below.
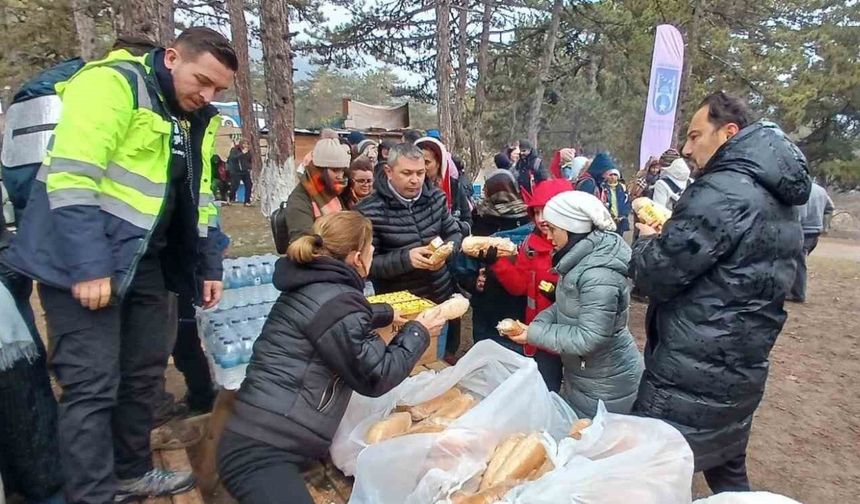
(806, 433)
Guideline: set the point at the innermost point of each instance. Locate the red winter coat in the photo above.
(522, 277)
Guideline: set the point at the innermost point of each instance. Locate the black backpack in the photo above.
(280, 228)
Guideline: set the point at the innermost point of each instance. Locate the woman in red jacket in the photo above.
(530, 274)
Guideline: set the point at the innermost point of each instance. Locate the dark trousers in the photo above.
(222, 189)
(798, 290)
(191, 361)
(29, 462)
(729, 477)
(110, 363)
(258, 473)
(550, 369)
(243, 177)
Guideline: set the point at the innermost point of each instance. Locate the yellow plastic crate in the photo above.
(403, 301)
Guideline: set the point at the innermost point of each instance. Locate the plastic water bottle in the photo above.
(246, 349)
(231, 355)
(239, 283)
(255, 293)
(267, 271)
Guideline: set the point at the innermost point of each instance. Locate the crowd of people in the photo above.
(119, 231)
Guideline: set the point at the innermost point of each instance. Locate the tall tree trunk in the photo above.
(690, 50)
(166, 22)
(476, 148)
(443, 68)
(239, 31)
(533, 121)
(137, 18)
(85, 28)
(278, 177)
(459, 120)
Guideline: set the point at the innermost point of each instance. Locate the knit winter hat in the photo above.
(329, 153)
(354, 137)
(613, 171)
(502, 161)
(678, 170)
(567, 155)
(669, 156)
(578, 212)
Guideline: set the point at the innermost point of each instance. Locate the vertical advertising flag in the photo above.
(666, 65)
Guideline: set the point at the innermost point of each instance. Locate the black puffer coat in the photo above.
(717, 278)
(318, 345)
(397, 229)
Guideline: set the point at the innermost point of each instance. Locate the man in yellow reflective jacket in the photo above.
(120, 215)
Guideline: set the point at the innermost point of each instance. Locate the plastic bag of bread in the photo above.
(509, 395)
(510, 327)
(474, 245)
(618, 458)
(651, 213)
(389, 427)
(441, 250)
(454, 307)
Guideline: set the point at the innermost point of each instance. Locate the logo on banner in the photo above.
(666, 90)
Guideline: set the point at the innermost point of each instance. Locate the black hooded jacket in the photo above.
(317, 346)
(397, 229)
(717, 278)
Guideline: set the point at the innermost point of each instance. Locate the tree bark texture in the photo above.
(239, 32)
(443, 69)
(476, 150)
(691, 47)
(459, 119)
(137, 18)
(85, 28)
(533, 122)
(166, 22)
(278, 176)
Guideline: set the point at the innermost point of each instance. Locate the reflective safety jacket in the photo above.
(102, 188)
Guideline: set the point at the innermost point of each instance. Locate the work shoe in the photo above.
(155, 483)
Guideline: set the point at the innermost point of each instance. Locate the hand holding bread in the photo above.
(474, 245)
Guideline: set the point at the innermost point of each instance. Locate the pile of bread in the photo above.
(471, 246)
(430, 416)
(516, 460)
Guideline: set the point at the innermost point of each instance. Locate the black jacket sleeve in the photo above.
(383, 315)
(343, 335)
(703, 228)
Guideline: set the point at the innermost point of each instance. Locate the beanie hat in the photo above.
(669, 156)
(567, 155)
(578, 212)
(678, 170)
(600, 165)
(329, 153)
(503, 162)
(613, 171)
(363, 145)
(354, 137)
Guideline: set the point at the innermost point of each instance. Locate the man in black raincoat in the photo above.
(717, 276)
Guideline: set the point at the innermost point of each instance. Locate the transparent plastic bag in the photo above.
(513, 398)
(620, 458)
(746, 498)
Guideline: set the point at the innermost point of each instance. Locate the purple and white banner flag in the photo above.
(666, 65)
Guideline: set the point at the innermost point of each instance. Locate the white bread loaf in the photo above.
(528, 455)
(500, 455)
(394, 425)
(579, 426)
(474, 245)
(455, 408)
(421, 411)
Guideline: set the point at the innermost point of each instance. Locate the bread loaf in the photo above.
(427, 427)
(394, 425)
(500, 455)
(487, 496)
(454, 308)
(441, 254)
(421, 411)
(579, 426)
(651, 213)
(455, 408)
(474, 245)
(527, 455)
(546, 467)
(511, 327)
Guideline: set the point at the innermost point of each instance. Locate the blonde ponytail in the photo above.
(335, 235)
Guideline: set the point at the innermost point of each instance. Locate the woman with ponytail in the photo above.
(318, 345)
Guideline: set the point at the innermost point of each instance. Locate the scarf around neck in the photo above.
(323, 200)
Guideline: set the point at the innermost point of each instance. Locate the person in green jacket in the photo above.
(587, 325)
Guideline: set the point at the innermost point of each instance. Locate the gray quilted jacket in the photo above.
(587, 326)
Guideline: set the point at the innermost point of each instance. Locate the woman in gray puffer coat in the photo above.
(587, 325)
